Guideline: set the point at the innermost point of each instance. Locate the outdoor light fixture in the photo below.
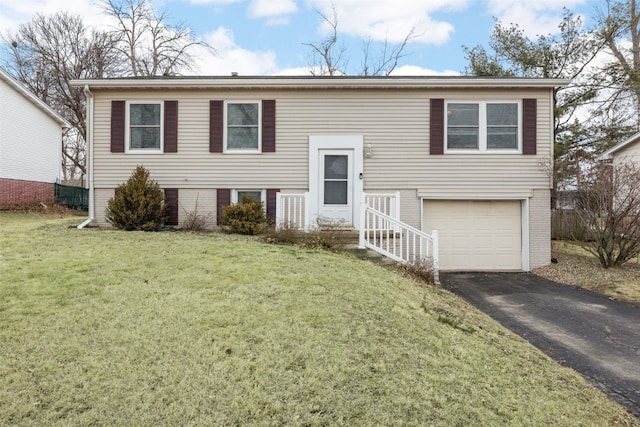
(368, 151)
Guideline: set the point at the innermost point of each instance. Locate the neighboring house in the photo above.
(626, 151)
(30, 146)
(459, 155)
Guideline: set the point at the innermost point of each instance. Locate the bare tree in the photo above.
(619, 29)
(151, 45)
(329, 57)
(386, 60)
(49, 52)
(611, 212)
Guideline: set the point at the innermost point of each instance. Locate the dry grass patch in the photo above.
(576, 266)
(133, 328)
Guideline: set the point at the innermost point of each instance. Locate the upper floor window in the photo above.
(144, 126)
(242, 130)
(483, 127)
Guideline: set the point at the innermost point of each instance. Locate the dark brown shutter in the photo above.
(529, 126)
(268, 126)
(436, 126)
(216, 126)
(117, 126)
(171, 197)
(271, 203)
(223, 198)
(170, 126)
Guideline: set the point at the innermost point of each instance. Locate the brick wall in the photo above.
(19, 193)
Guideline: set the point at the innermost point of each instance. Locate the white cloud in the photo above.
(539, 17)
(414, 70)
(387, 20)
(229, 57)
(271, 8)
(276, 11)
(299, 71)
(214, 2)
(19, 12)
(405, 70)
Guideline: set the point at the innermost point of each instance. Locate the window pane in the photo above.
(335, 192)
(144, 114)
(462, 115)
(255, 195)
(335, 167)
(145, 137)
(242, 114)
(462, 138)
(502, 138)
(240, 138)
(502, 114)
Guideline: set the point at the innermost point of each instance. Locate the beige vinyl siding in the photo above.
(102, 196)
(190, 201)
(630, 153)
(200, 202)
(540, 228)
(394, 122)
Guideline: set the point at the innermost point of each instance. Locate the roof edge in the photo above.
(607, 154)
(300, 82)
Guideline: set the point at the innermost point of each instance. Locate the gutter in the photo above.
(300, 82)
(90, 105)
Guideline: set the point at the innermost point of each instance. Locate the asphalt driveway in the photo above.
(596, 336)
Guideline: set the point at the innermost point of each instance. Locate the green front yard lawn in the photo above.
(129, 328)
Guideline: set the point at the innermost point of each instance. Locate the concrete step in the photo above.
(348, 235)
(369, 255)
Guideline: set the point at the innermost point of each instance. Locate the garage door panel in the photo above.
(476, 235)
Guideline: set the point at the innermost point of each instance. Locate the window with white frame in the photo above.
(144, 124)
(485, 126)
(258, 195)
(242, 130)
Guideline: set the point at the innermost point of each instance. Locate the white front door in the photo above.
(335, 195)
(335, 179)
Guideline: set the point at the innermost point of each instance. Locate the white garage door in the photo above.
(476, 235)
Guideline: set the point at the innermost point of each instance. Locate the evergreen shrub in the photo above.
(246, 217)
(138, 204)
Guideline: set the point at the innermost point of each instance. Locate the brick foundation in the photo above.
(17, 193)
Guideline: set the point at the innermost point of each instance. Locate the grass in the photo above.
(576, 266)
(120, 328)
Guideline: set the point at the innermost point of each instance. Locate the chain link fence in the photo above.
(72, 197)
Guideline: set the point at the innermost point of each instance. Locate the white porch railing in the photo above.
(395, 239)
(388, 204)
(380, 227)
(292, 211)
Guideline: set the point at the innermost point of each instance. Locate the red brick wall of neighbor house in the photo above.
(18, 193)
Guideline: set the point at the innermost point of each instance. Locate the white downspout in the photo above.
(89, 157)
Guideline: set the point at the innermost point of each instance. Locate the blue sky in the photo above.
(267, 37)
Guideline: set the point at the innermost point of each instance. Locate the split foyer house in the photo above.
(460, 155)
(30, 145)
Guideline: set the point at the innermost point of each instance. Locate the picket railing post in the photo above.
(389, 236)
